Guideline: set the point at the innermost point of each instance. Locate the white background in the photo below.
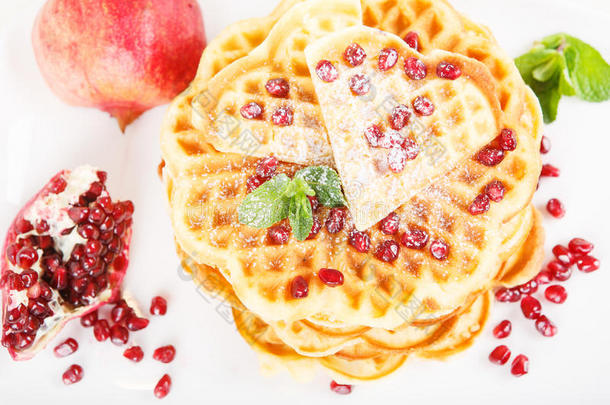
(213, 365)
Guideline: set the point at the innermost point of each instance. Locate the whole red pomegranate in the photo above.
(122, 57)
(65, 255)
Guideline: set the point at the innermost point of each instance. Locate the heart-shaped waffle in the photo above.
(264, 103)
(396, 119)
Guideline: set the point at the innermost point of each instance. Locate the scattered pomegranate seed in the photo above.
(120, 312)
(134, 353)
(545, 326)
(266, 167)
(545, 145)
(563, 254)
(446, 70)
(415, 238)
(507, 139)
(391, 139)
(544, 277)
(490, 156)
(315, 228)
(101, 330)
(119, 335)
(556, 294)
(251, 111)
(340, 389)
(360, 241)
(500, 355)
(587, 264)
(359, 84)
(559, 271)
(555, 208)
(335, 221)
(279, 234)
(528, 288)
(278, 87)
(387, 59)
(389, 225)
(299, 287)
(254, 182)
(163, 386)
(354, 55)
(530, 307)
(387, 251)
(73, 374)
(503, 329)
(548, 170)
(411, 148)
(480, 205)
(315, 204)
(400, 117)
(282, 116)
(412, 39)
(580, 246)
(520, 366)
(423, 106)
(165, 354)
(135, 323)
(66, 348)
(439, 249)
(326, 71)
(415, 68)
(331, 277)
(158, 306)
(495, 191)
(373, 134)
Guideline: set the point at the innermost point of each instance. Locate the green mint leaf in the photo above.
(589, 72)
(298, 186)
(300, 216)
(325, 183)
(267, 204)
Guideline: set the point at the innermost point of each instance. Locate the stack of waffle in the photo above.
(423, 302)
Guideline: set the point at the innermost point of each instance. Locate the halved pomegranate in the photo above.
(65, 255)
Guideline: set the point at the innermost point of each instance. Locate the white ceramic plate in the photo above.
(214, 365)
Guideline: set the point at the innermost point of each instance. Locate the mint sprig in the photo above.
(562, 65)
(281, 197)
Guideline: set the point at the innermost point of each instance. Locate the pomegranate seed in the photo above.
(335, 221)
(423, 106)
(500, 355)
(373, 134)
(391, 139)
(42, 226)
(326, 71)
(411, 148)
(555, 208)
(266, 167)
(520, 366)
(587, 264)
(15, 282)
(503, 329)
(106, 203)
(446, 70)
(549, 170)
(279, 234)
(11, 253)
(23, 226)
(341, 389)
(163, 386)
(315, 228)
(580, 246)
(88, 231)
(95, 190)
(361, 241)
(556, 294)
(359, 84)
(165, 354)
(78, 214)
(415, 68)
(400, 117)
(119, 335)
(101, 330)
(73, 374)
(282, 116)
(89, 319)
(135, 323)
(389, 225)
(528, 288)
(490, 156)
(58, 185)
(480, 205)
(26, 257)
(299, 287)
(387, 251)
(507, 139)
(158, 306)
(278, 87)
(544, 277)
(59, 281)
(412, 39)
(66, 348)
(28, 278)
(251, 111)
(387, 59)
(439, 249)
(504, 294)
(96, 215)
(134, 353)
(563, 254)
(253, 183)
(120, 312)
(545, 145)
(397, 159)
(354, 55)
(415, 238)
(530, 307)
(545, 326)
(315, 204)
(102, 176)
(495, 191)
(559, 271)
(331, 277)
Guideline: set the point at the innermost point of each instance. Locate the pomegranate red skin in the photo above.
(122, 57)
(12, 235)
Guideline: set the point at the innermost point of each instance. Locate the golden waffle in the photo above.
(379, 178)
